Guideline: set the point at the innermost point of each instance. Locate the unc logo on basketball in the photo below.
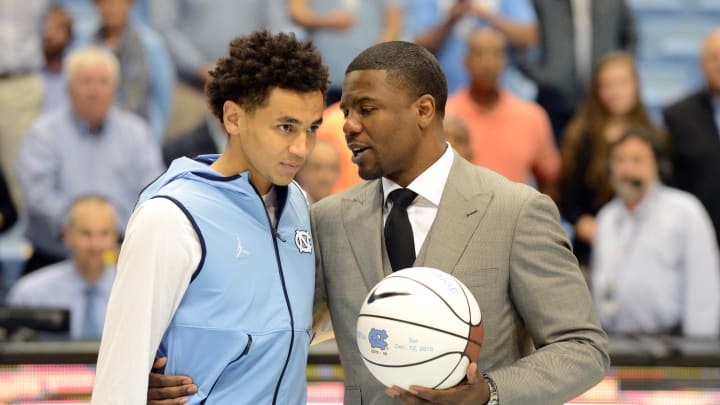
(377, 337)
(303, 241)
(425, 328)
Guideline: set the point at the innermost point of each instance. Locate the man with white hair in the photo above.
(90, 147)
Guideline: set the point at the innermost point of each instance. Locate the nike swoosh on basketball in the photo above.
(380, 296)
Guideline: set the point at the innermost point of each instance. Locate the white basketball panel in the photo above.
(429, 374)
(397, 343)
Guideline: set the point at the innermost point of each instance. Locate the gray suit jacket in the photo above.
(613, 29)
(504, 241)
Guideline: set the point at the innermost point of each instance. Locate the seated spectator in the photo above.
(321, 171)
(8, 213)
(444, 28)
(88, 148)
(331, 130)
(207, 138)
(457, 134)
(57, 36)
(613, 104)
(341, 29)
(694, 126)
(509, 135)
(82, 283)
(147, 72)
(655, 265)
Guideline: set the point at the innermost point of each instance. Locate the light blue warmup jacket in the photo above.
(242, 329)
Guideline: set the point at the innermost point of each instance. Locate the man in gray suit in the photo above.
(543, 343)
(574, 36)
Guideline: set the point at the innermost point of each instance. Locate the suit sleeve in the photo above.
(552, 298)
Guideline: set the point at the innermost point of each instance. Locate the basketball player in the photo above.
(543, 343)
(217, 268)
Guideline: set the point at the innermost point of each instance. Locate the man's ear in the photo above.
(425, 107)
(233, 116)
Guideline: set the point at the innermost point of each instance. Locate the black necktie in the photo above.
(398, 232)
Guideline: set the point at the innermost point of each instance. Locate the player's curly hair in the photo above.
(260, 62)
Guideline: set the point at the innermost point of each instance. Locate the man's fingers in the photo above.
(175, 401)
(172, 393)
(404, 397)
(159, 362)
(161, 380)
(473, 375)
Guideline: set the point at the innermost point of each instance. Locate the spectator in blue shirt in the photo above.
(341, 29)
(82, 283)
(443, 27)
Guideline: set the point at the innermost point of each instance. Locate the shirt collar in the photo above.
(645, 203)
(104, 283)
(83, 127)
(430, 183)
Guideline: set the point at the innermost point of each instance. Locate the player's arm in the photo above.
(159, 255)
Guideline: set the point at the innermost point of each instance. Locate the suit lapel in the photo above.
(362, 220)
(462, 207)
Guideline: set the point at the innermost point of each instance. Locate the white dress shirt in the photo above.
(429, 186)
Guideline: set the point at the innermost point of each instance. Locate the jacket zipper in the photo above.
(276, 236)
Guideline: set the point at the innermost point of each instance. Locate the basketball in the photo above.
(419, 326)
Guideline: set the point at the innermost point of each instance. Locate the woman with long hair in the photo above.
(612, 105)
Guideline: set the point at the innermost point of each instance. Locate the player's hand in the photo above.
(473, 391)
(168, 389)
